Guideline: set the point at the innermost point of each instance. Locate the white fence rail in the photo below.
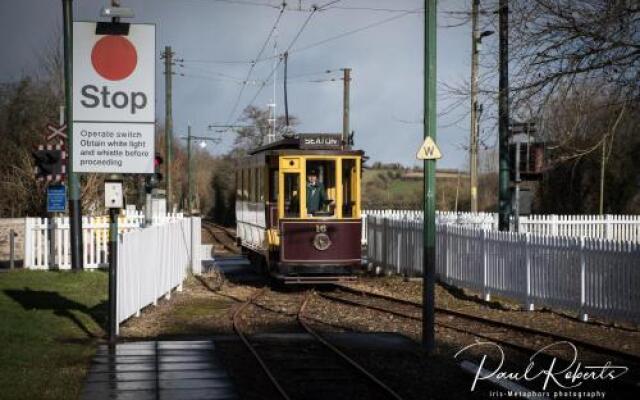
(588, 276)
(47, 240)
(153, 261)
(611, 227)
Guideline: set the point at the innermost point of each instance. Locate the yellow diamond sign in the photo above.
(429, 150)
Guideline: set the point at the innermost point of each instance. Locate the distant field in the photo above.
(51, 322)
(383, 188)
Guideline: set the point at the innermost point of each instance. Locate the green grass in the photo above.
(50, 325)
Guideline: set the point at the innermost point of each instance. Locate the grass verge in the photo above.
(51, 322)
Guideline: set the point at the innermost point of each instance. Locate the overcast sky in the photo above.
(387, 63)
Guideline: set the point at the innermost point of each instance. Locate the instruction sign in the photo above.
(113, 100)
(56, 199)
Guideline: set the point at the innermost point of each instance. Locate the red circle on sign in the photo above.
(114, 57)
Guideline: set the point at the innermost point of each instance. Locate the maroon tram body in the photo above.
(294, 236)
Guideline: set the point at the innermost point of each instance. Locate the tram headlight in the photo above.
(321, 241)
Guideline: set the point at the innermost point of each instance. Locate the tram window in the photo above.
(348, 195)
(260, 185)
(245, 185)
(273, 186)
(292, 195)
(252, 189)
(239, 184)
(321, 187)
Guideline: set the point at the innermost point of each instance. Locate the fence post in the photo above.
(385, 223)
(483, 247)
(583, 280)
(608, 227)
(527, 251)
(444, 231)
(52, 243)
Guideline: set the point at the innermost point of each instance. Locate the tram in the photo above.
(298, 208)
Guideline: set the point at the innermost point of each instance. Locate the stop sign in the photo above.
(113, 99)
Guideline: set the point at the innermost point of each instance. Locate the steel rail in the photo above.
(209, 227)
(263, 365)
(501, 324)
(351, 361)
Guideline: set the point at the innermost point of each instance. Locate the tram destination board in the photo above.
(320, 141)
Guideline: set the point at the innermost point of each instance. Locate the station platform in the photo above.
(159, 370)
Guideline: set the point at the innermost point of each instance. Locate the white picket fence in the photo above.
(612, 227)
(153, 261)
(42, 233)
(588, 276)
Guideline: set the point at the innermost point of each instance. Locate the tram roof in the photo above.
(307, 144)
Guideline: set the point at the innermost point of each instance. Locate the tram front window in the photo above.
(320, 188)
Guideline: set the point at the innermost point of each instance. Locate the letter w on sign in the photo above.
(429, 150)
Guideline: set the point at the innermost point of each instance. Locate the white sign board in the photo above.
(113, 100)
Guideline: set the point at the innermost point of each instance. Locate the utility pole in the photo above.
(603, 161)
(504, 197)
(429, 232)
(473, 149)
(189, 171)
(168, 123)
(345, 103)
(73, 180)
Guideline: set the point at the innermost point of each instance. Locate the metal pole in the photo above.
(73, 180)
(113, 272)
(602, 168)
(345, 103)
(504, 197)
(286, 103)
(12, 249)
(168, 123)
(473, 145)
(516, 200)
(429, 256)
(189, 171)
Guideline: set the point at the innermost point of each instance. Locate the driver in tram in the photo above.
(316, 194)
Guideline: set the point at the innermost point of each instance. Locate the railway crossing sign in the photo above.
(113, 99)
(50, 163)
(56, 132)
(429, 150)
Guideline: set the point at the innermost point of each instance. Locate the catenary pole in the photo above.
(473, 143)
(286, 102)
(504, 197)
(345, 103)
(73, 179)
(168, 123)
(430, 113)
(189, 171)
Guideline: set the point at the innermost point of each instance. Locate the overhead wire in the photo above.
(253, 64)
(293, 41)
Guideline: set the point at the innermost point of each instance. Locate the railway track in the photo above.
(521, 338)
(309, 370)
(222, 235)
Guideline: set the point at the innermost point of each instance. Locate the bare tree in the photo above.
(258, 127)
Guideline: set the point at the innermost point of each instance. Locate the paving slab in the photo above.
(159, 370)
